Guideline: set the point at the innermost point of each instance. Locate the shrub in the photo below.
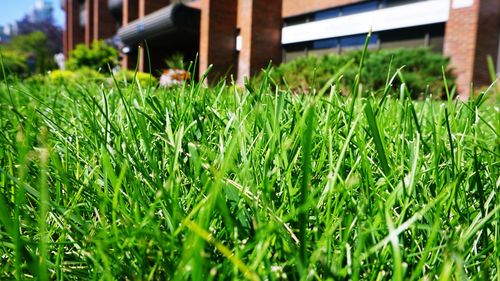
(14, 63)
(36, 80)
(97, 57)
(78, 76)
(62, 76)
(86, 73)
(422, 70)
(127, 77)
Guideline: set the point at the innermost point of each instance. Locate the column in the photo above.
(218, 37)
(130, 13)
(472, 33)
(105, 25)
(75, 33)
(260, 24)
(89, 22)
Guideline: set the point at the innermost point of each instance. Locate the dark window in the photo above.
(298, 20)
(360, 8)
(346, 41)
(434, 30)
(328, 14)
(357, 40)
(326, 43)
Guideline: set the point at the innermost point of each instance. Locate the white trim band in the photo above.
(415, 14)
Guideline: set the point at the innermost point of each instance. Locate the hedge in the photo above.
(421, 70)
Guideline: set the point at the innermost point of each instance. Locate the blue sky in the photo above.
(12, 10)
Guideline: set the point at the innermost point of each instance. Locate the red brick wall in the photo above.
(299, 7)
(130, 13)
(471, 34)
(75, 34)
(89, 22)
(260, 25)
(105, 25)
(218, 37)
(487, 40)
(460, 43)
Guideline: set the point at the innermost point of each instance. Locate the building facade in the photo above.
(40, 12)
(240, 37)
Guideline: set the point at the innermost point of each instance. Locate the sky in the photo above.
(12, 10)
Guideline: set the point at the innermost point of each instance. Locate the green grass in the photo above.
(203, 183)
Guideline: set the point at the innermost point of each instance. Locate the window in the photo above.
(360, 8)
(328, 14)
(358, 40)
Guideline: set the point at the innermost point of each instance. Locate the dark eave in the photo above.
(170, 20)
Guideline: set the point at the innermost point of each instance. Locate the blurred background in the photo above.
(241, 37)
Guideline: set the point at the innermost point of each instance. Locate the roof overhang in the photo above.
(165, 23)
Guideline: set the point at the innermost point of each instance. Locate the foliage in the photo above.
(127, 77)
(78, 76)
(88, 75)
(100, 56)
(194, 183)
(422, 69)
(62, 76)
(47, 26)
(176, 61)
(33, 48)
(14, 63)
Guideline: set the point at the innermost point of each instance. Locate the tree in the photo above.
(14, 62)
(48, 27)
(35, 48)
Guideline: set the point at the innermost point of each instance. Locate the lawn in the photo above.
(222, 182)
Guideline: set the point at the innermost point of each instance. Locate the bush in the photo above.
(97, 57)
(123, 77)
(14, 63)
(62, 76)
(127, 77)
(79, 76)
(422, 70)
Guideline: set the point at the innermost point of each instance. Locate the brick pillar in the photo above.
(472, 33)
(89, 22)
(129, 14)
(75, 33)
(488, 37)
(105, 25)
(218, 37)
(260, 24)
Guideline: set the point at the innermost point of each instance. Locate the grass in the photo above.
(222, 182)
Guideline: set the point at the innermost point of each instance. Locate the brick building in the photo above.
(239, 37)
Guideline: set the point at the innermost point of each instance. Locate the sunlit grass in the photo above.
(222, 182)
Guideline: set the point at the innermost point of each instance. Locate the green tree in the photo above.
(97, 57)
(14, 62)
(34, 47)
